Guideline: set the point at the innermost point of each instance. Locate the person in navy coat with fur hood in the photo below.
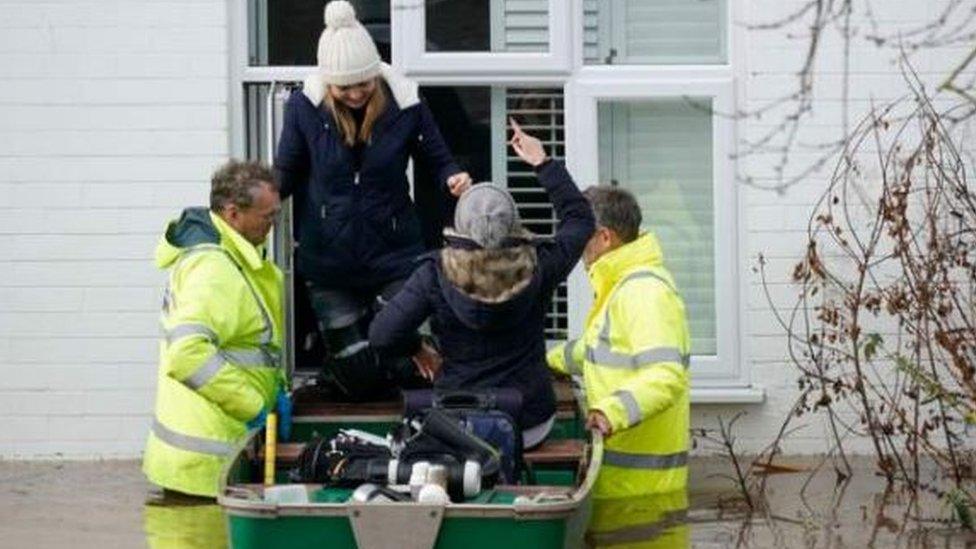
(488, 291)
(345, 144)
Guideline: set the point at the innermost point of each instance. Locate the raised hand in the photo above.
(526, 147)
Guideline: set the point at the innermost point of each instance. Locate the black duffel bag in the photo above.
(488, 414)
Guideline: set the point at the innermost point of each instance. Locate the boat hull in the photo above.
(552, 511)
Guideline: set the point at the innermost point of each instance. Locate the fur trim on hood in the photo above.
(404, 90)
(490, 276)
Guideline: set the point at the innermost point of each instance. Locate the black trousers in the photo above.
(351, 366)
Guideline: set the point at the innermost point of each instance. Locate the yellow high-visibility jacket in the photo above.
(643, 522)
(184, 525)
(634, 356)
(219, 357)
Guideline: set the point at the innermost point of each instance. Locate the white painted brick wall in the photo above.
(776, 224)
(112, 116)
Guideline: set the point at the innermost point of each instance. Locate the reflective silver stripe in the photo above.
(637, 533)
(167, 299)
(647, 274)
(644, 461)
(191, 443)
(267, 332)
(190, 329)
(204, 248)
(605, 331)
(630, 404)
(603, 356)
(251, 358)
(573, 367)
(350, 350)
(205, 372)
(241, 358)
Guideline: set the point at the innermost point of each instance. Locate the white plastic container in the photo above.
(286, 493)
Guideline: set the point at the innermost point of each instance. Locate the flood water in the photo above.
(109, 504)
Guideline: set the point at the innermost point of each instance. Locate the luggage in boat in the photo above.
(349, 461)
(488, 414)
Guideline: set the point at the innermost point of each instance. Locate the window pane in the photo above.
(487, 25)
(473, 121)
(661, 150)
(286, 32)
(655, 32)
(463, 115)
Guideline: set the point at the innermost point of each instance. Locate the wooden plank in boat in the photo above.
(557, 451)
(552, 451)
(341, 409)
(306, 404)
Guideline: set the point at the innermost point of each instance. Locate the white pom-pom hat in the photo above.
(347, 54)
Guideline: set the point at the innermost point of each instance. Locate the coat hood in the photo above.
(489, 288)
(197, 226)
(405, 91)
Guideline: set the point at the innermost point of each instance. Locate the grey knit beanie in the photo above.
(487, 215)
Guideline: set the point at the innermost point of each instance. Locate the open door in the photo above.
(264, 104)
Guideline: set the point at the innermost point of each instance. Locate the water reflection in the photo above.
(174, 521)
(643, 522)
(808, 504)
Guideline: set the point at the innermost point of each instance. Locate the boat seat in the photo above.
(288, 453)
(556, 451)
(309, 403)
(551, 452)
(336, 410)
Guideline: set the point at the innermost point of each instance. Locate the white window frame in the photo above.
(615, 19)
(723, 378)
(582, 148)
(726, 376)
(409, 34)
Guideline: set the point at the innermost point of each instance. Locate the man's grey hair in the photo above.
(235, 183)
(615, 209)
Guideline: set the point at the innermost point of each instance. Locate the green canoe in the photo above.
(554, 512)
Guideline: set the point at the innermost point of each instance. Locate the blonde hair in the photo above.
(347, 122)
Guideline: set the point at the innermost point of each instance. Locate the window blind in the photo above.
(661, 150)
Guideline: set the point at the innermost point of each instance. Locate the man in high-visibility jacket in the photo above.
(648, 521)
(633, 354)
(177, 522)
(219, 362)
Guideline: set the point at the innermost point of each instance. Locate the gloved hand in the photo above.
(258, 421)
(283, 406)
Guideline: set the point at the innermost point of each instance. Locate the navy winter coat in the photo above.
(493, 342)
(357, 229)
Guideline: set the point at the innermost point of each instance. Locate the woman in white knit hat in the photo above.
(347, 138)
